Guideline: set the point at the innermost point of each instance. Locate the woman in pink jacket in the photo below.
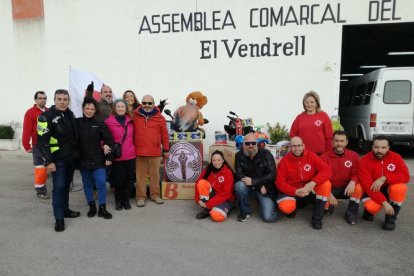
(123, 168)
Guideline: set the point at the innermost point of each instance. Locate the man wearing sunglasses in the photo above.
(151, 142)
(302, 178)
(29, 141)
(255, 175)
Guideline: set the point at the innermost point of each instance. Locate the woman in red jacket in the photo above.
(214, 189)
(313, 125)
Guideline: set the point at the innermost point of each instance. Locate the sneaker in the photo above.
(389, 225)
(43, 195)
(243, 217)
(157, 200)
(316, 225)
(203, 214)
(141, 203)
(351, 219)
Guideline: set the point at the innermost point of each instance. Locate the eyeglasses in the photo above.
(250, 143)
(147, 103)
(296, 146)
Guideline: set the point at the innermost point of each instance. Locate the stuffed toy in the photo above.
(188, 118)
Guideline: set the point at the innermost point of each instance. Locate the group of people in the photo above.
(130, 138)
(121, 141)
(318, 170)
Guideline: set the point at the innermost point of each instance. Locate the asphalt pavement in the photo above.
(168, 240)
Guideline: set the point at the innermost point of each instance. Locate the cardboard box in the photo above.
(177, 190)
(230, 156)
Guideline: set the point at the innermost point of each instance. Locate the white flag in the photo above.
(78, 81)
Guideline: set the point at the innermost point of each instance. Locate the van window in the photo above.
(359, 95)
(370, 89)
(397, 92)
(348, 96)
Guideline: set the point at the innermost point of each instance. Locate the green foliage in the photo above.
(6, 132)
(277, 133)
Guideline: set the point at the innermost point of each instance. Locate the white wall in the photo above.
(102, 37)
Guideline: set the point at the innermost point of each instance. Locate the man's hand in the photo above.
(202, 204)
(51, 167)
(376, 186)
(350, 188)
(247, 180)
(301, 192)
(263, 190)
(332, 200)
(309, 186)
(165, 154)
(388, 208)
(29, 150)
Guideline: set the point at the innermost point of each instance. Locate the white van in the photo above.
(379, 103)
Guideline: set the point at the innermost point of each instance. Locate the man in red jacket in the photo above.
(384, 176)
(29, 141)
(151, 142)
(304, 178)
(344, 179)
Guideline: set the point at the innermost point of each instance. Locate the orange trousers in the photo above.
(397, 194)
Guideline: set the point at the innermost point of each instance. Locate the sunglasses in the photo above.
(250, 143)
(147, 103)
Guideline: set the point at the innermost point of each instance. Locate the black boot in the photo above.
(126, 204)
(92, 209)
(103, 212)
(60, 225)
(118, 205)
(71, 214)
(389, 223)
(203, 214)
(318, 214)
(351, 214)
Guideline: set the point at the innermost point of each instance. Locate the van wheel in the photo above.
(364, 146)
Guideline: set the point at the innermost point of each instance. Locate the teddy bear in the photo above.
(188, 118)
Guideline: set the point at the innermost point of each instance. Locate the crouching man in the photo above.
(302, 177)
(384, 177)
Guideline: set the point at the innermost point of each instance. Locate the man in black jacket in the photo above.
(255, 175)
(57, 141)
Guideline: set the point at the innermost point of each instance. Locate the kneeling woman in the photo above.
(95, 142)
(214, 189)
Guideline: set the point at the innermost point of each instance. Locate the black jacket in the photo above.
(93, 134)
(57, 135)
(262, 170)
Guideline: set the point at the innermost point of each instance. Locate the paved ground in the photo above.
(168, 240)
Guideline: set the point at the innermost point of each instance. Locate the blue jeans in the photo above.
(266, 205)
(62, 178)
(90, 178)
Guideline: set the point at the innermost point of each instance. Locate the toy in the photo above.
(188, 118)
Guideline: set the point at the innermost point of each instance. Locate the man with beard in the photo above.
(384, 177)
(29, 141)
(344, 179)
(57, 141)
(105, 105)
(302, 178)
(255, 175)
(151, 141)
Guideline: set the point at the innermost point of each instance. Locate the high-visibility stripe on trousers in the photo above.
(357, 194)
(323, 190)
(397, 194)
(204, 189)
(339, 193)
(219, 213)
(40, 176)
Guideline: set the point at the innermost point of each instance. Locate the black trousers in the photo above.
(123, 177)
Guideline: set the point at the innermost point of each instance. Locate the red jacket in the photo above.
(118, 131)
(294, 172)
(222, 182)
(150, 133)
(392, 166)
(315, 130)
(30, 127)
(344, 167)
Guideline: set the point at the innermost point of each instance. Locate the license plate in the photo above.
(393, 128)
